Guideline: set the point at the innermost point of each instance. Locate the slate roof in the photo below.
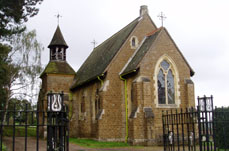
(102, 55)
(58, 67)
(58, 39)
(140, 53)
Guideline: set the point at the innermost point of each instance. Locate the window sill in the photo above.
(167, 106)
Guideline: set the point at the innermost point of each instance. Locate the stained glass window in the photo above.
(165, 65)
(170, 88)
(161, 87)
(165, 84)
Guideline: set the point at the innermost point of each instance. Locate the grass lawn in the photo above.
(19, 131)
(97, 144)
(3, 147)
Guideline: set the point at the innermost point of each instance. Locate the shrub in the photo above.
(221, 124)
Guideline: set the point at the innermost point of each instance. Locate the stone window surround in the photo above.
(136, 42)
(176, 83)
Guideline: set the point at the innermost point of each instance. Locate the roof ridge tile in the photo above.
(154, 31)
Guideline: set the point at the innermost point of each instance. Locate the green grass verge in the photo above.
(19, 131)
(4, 147)
(97, 144)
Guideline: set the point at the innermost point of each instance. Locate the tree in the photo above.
(21, 67)
(25, 66)
(13, 13)
(6, 69)
(16, 64)
(221, 127)
(4, 72)
(21, 105)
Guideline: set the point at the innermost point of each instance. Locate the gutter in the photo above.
(99, 78)
(126, 102)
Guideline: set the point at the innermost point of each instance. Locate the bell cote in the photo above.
(58, 46)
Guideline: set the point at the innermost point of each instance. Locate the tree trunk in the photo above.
(6, 105)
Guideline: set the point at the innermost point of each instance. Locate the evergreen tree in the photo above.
(4, 72)
(13, 13)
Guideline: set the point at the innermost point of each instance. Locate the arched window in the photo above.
(82, 105)
(133, 42)
(166, 83)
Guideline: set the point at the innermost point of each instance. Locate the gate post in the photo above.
(205, 123)
(57, 123)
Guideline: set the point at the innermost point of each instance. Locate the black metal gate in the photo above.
(51, 123)
(204, 128)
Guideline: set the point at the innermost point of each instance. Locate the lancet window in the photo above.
(165, 84)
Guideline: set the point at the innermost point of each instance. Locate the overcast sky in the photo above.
(200, 28)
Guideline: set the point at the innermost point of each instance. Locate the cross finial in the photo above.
(94, 43)
(58, 18)
(162, 18)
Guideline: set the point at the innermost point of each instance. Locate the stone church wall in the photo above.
(148, 131)
(85, 111)
(55, 83)
(144, 123)
(113, 98)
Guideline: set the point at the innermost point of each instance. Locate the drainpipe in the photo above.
(126, 103)
(100, 79)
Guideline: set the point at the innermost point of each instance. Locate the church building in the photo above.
(120, 91)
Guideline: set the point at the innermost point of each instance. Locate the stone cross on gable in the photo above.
(58, 18)
(162, 18)
(94, 43)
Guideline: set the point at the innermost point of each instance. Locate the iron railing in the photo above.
(203, 128)
(48, 123)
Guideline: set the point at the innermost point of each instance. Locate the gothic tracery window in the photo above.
(165, 84)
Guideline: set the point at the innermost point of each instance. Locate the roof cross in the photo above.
(58, 18)
(94, 43)
(162, 17)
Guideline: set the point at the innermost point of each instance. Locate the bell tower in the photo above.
(58, 46)
(58, 74)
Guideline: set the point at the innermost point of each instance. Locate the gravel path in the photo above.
(31, 146)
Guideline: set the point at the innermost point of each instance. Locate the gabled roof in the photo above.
(58, 39)
(134, 61)
(191, 70)
(140, 52)
(102, 55)
(58, 67)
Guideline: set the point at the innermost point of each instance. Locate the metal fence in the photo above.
(51, 123)
(196, 129)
